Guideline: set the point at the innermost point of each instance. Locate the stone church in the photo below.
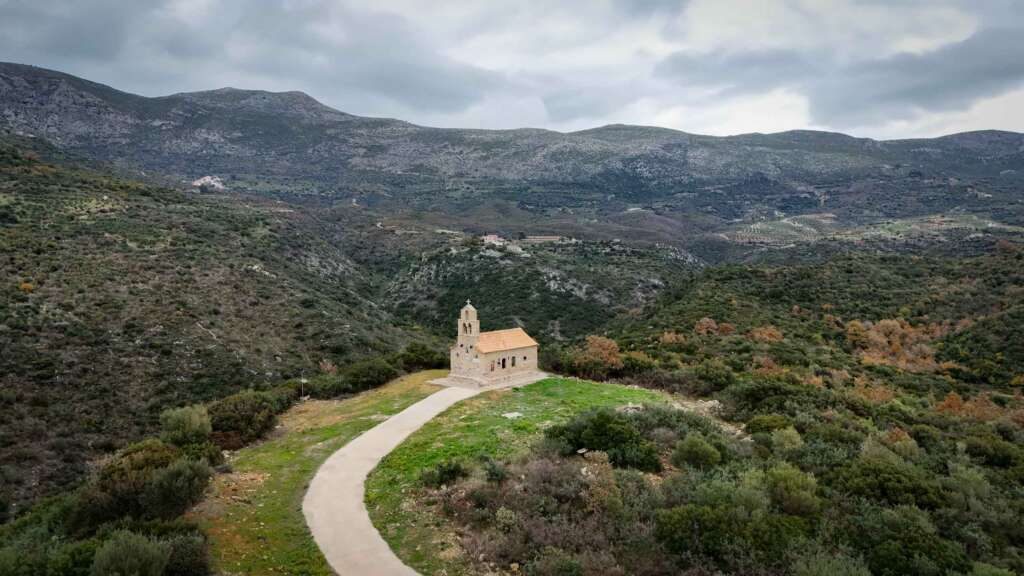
(491, 358)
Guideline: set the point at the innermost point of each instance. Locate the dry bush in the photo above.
(725, 329)
(896, 343)
(766, 333)
(951, 404)
(874, 393)
(328, 367)
(705, 326)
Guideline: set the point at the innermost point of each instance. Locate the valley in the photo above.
(203, 295)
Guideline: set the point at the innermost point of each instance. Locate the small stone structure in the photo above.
(485, 359)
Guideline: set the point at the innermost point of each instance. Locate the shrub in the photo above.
(553, 561)
(637, 363)
(419, 356)
(188, 556)
(599, 358)
(241, 418)
(495, 470)
(118, 487)
(705, 530)
(610, 432)
(767, 423)
(887, 481)
(369, 374)
(72, 559)
(820, 563)
(328, 386)
(792, 491)
(185, 425)
(443, 474)
(981, 569)
(695, 451)
(786, 441)
(207, 451)
(173, 489)
(714, 375)
(130, 554)
(903, 541)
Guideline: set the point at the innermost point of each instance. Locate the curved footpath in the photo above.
(334, 507)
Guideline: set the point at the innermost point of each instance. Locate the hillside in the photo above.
(632, 182)
(121, 298)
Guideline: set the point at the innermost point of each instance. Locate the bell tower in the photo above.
(469, 326)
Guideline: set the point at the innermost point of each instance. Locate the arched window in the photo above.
(513, 361)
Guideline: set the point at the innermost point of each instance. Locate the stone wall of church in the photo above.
(465, 360)
(498, 365)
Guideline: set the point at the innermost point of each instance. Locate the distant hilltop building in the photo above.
(493, 239)
(500, 357)
(543, 239)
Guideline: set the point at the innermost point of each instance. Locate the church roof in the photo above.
(500, 340)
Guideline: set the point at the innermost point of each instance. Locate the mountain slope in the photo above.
(287, 143)
(118, 299)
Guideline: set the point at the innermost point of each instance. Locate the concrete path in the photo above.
(334, 507)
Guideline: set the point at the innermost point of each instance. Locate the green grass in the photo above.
(254, 514)
(467, 430)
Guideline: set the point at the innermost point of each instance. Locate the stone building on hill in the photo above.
(491, 358)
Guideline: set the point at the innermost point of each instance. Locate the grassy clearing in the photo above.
(254, 514)
(416, 530)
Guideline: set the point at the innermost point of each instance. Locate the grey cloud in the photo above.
(574, 103)
(738, 73)
(401, 60)
(988, 63)
(373, 56)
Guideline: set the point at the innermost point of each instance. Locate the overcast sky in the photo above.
(884, 69)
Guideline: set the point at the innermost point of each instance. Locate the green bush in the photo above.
(118, 488)
(419, 356)
(328, 386)
(553, 561)
(185, 425)
(767, 423)
(241, 418)
(792, 491)
(207, 451)
(695, 451)
(444, 474)
(891, 482)
(705, 530)
(820, 563)
(981, 569)
(903, 541)
(610, 432)
(496, 471)
(72, 559)
(188, 556)
(130, 554)
(174, 489)
(714, 375)
(786, 441)
(369, 374)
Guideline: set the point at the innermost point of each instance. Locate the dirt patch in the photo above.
(312, 414)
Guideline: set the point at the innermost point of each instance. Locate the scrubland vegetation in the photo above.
(882, 432)
(126, 518)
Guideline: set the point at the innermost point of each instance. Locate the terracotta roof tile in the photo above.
(499, 340)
